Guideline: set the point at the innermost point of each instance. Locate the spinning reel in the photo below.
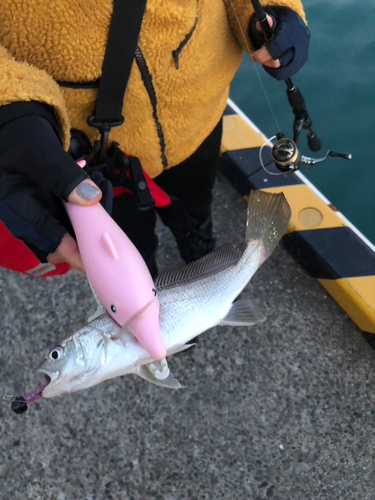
(287, 157)
(285, 152)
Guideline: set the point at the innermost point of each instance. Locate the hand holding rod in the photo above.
(295, 98)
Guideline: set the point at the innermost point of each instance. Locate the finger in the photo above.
(86, 193)
(270, 22)
(68, 252)
(262, 56)
(272, 64)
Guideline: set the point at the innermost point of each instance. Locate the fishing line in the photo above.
(255, 68)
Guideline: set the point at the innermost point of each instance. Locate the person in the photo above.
(188, 52)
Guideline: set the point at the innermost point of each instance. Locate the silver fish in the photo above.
(192, 299)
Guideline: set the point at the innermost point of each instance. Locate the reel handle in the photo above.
(344, 156)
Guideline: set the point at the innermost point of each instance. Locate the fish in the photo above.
(192, 299)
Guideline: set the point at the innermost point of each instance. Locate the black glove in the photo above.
(290, 42)
(106, 188)
(35, 174)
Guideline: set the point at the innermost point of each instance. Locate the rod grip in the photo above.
(266, 28)
(261, 16)
(296, 100)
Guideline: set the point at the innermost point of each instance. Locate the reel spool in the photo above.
(285, 153)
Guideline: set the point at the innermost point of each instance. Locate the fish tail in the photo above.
(268, 216)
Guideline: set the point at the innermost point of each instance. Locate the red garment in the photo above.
(15, 255)
(161, 198)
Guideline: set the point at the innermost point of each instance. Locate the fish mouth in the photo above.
(47, 380)
(44, 377)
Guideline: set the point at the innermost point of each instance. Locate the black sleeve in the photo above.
(18, 109)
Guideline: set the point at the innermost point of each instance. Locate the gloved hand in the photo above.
(35, 175)
(284, 55)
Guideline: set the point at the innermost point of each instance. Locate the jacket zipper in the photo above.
(147, 82)
(176, 53)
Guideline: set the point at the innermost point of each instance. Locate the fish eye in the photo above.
(56, 353)
(113, 308)
(154, 291)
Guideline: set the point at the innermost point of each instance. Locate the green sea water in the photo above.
(338, 84)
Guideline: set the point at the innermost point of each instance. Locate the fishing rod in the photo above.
(285, 152)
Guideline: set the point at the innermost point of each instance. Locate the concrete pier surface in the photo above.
(283, 410)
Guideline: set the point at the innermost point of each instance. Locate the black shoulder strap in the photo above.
(123, 37)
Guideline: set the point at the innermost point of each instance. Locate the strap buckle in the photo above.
(104, 127)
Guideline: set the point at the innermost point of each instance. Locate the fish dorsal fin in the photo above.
(169, 383)
(212, 263)
(244, 312)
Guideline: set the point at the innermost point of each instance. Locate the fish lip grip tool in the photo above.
(118, 275)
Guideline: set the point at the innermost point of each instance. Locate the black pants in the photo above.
(190, 184)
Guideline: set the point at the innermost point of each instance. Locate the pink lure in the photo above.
(119, 275)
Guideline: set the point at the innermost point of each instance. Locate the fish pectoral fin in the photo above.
(123, 334)
(243, 312)
(169, 383)
(100, 310)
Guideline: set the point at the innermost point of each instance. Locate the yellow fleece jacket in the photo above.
(43, 42)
